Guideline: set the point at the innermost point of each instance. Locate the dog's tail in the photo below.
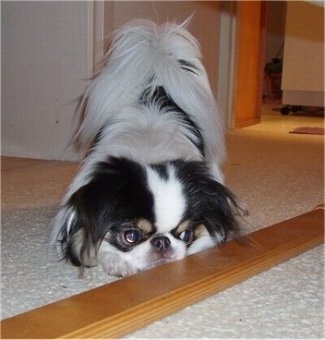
(143, 56)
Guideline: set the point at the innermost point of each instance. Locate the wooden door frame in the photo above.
(250, 23)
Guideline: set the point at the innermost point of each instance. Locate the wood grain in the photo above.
(123, 306)
(248, 82)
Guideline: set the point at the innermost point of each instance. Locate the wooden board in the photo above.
(123, 306)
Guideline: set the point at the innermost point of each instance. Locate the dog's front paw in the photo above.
(119, 268)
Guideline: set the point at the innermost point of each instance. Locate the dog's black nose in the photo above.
(161, 242)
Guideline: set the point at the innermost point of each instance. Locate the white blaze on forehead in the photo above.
(169, 200)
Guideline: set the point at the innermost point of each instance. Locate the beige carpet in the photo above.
(276, 174)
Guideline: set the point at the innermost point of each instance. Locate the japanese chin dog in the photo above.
(150, 189)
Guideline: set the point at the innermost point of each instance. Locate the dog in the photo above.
(150, 187)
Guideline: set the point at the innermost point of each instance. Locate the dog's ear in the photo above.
(79, 235)
(209, 202)
(84, 219)
(221, 211)
(116, 191)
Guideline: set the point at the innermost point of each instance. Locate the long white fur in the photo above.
(139, 50)
(168, 197)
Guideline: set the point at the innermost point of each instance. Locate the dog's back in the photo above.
(142, 58)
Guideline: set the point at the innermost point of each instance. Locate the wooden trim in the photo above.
(250, 41)
(248, 123)
(123, 306)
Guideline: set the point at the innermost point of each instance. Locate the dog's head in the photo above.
(130, 217)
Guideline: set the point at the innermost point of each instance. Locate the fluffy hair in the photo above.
(150, 126)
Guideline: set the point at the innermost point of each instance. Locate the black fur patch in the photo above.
(160, 96)
(187, 66)
(208, 201)
(116, 194)
(161, 169)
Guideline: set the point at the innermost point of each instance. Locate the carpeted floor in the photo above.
(276, 174)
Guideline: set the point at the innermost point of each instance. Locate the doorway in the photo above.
(274, 114)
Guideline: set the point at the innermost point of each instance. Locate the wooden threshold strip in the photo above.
(123, 306)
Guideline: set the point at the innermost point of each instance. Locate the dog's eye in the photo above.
(131, 236)
(186, 236)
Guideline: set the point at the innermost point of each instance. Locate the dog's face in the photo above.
(131, 217)
(138, 245)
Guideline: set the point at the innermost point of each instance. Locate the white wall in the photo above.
(47, 56)
(303, 63)
(45, 64)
